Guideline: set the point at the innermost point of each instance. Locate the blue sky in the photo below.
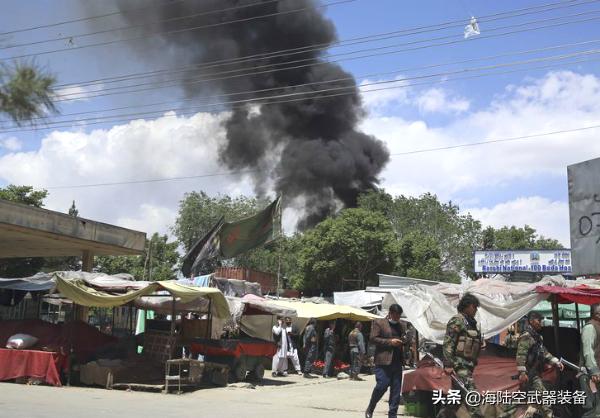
(521, 182)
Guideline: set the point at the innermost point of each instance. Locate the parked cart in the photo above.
(245, 358)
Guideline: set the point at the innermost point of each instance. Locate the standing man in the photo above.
(292, 346)
(388, 336)
(311, 347)
(356, 341)
(462, 344)
(329, 348)
(531, 357)
(590, 358)
(280, 359)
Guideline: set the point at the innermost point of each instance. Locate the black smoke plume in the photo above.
(311, 149)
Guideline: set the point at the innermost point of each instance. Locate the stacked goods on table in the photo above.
(338, 366)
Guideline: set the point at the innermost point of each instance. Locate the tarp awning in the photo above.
(324, 311)
(429, 308)
(81, 293)
(36, 283)
(582, 294)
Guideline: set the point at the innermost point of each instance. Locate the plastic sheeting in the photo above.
(429, 308)
(324, 311)
(81, 293)
(239, 288)
(358, 298)
(35, 283)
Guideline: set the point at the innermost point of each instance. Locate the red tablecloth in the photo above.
(30, 363)
(491, 374)
(233, 348)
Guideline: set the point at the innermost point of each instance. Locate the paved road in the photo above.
(292, 397)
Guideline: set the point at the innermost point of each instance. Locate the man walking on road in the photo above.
(388, 336)
(356, 342)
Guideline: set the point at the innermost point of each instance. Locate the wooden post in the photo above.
(556, 325)
(577, 316)
(87, 263)
(173, 317)
(209, 319)
(417, 344)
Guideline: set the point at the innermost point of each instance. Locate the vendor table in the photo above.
(242, 356)
(31, 363)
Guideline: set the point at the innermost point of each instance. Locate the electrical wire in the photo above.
(419, 151)
(176, 31)
(130, 27)
(314, 47)
(350, 78)
(155, 85)
(109, 119)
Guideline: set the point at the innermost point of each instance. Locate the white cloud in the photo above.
(10, 144)
(558, 101)
(379, 96)
(150, 218)
(549, 218)
(439, 100)
(139, 150)
(77, 93)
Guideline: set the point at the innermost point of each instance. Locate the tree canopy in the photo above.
(157, 263)
(434, 236)
(25, 92)
(351, 248)
(515, 238)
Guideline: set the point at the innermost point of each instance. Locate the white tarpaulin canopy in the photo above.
(357, 298)
(429, 308)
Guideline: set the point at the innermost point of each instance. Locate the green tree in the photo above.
(437, 240)
(356, 245)
(157, 263)
(25, 92)
(278, 256)
(420, 257)
(73, 210)
(515, 238)
(24, 194)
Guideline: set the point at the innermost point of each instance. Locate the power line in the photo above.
(351, 87)
(229, 173)
(494, 141)
(82, 19)
(425, 150)
(175, 31)
(153, 85)
(110, 119)
(351, 78)
(172, 19)
(323, 46)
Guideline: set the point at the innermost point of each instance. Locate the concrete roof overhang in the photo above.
(27, 231)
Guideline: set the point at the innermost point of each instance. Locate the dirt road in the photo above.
(290, 397)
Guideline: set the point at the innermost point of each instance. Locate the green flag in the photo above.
(241, 236)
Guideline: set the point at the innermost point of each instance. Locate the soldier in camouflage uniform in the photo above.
(531, 357)
(462, 344)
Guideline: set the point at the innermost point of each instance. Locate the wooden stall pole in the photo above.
(173, 317)
(417, 344)
(555, 325)
(209, 319)
(577, 316)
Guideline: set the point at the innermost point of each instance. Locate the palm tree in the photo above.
(25, 92)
